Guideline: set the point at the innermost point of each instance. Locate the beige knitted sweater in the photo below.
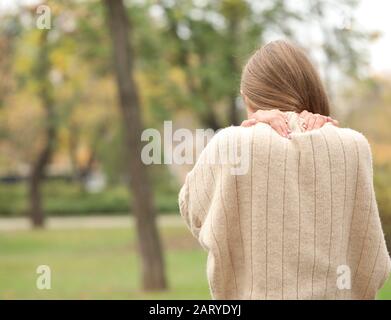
(301, 223)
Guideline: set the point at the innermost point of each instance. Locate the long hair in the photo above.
(280, 76)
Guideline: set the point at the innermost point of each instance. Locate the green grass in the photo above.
(96, 264)
(100, 264)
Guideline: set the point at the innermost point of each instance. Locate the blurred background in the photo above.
(80, 80)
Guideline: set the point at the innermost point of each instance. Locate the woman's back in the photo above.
(299, 223)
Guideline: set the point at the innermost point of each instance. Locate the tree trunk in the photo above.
(38, 168)
(233, 111)
(153, 271)
(36, 177)
(234, 68)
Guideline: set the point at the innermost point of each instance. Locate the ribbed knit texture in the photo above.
(280, 231)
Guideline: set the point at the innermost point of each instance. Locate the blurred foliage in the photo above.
(367, 108)
(188, 56)
(67, 199)
(382, 181)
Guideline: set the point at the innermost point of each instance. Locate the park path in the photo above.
(93, 222)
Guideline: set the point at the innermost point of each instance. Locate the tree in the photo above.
(45, 94)
(153, 273)
(9, 30)
(209, 41)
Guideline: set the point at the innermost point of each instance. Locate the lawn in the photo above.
(96, 264)
(100, 264)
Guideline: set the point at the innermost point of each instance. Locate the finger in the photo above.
(305, 122)
(306, 118)
(258, 116)
(285, 128)
(244, 123)
(284, 119)
(286, 132)
(276, 125)
(304, 113)
(319, 122)
(311, 122)
(280, 131)
(303, 125)
(248, 123)
(333, 121)
(284, 116)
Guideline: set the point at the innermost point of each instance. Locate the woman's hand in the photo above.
(277, 119)
(279, 122)
(315, 121)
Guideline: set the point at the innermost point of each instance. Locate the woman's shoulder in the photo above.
(239, 131)
(238, 135)
(351, 135)
(354, 141)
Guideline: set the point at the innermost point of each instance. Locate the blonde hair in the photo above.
(280, 76)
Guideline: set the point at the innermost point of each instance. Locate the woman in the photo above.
(302, 221)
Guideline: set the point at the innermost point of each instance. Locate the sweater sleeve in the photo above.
(191, 216)
(192, 205)
(374, 230)
(196, 195)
